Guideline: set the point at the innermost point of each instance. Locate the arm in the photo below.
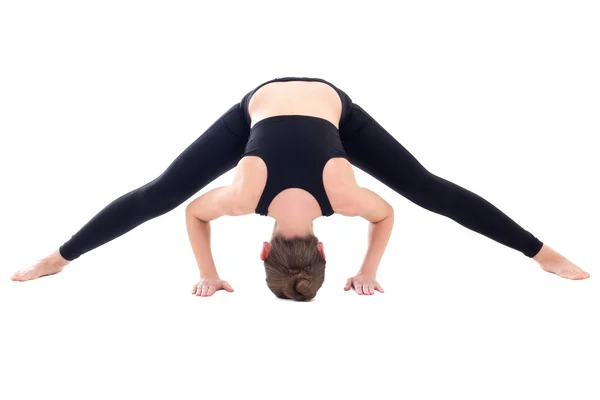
(224, 200)
(380, 214)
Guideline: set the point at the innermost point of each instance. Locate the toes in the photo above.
(19, 276)
(577, 275)
(586, 275)
(580, 274)
(567, 272)
(572, 275)
(28, 275)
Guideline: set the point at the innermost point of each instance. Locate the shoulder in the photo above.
(365, 203)
(248, 184)
(340, 184)
(348, 198)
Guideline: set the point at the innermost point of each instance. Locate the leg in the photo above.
(215, 152)
(372, 149)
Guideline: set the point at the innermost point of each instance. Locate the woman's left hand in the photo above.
(363, 284)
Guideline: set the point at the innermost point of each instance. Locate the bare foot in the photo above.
(50, 265)
(554, 262)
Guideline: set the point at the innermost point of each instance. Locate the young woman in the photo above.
(293, 142)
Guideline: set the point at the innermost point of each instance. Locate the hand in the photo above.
(209, 285)
(363, 284)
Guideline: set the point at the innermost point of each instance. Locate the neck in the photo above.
(293, 227)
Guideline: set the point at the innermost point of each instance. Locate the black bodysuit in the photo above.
(366, 144)
(295, 149)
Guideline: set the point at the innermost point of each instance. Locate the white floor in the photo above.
(502, 101)
(462, 316)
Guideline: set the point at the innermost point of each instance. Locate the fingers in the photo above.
(371, 289)
(363, 287)
(207, 289)
(358, 288)
(227, 286)
(366, 288)
(348, 284)
(204, 290)
(199, 289)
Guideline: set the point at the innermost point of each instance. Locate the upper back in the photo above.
(294, 98)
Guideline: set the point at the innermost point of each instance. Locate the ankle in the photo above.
(58, 259)
(546, 253)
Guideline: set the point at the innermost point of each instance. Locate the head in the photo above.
(294, 266)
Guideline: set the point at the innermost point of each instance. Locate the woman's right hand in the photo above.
(209, 285)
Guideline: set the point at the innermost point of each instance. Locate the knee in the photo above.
(158, 198)
(432, 192)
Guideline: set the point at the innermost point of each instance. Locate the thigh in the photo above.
(213, 153)
(375, 151)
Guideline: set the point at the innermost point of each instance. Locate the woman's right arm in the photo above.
(221, 201)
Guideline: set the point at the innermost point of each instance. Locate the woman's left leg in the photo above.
(372, 149)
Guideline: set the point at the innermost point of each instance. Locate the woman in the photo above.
(294, 141)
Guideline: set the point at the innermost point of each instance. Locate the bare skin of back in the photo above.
(296, 97)
(302, 98)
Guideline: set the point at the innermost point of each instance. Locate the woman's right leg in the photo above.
(215, 152)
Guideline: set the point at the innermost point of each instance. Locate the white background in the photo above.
(502, 98)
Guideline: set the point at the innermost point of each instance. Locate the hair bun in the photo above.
(300, 290)
(303, 286)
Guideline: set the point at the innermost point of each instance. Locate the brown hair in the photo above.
(295, 268)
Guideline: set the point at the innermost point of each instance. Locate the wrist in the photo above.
(368, 271)
(208, 273)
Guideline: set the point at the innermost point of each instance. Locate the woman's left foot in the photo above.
(553, 262)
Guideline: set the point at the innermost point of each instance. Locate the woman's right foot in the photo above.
(50, 265)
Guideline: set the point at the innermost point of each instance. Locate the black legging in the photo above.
(368, 145)
(372, 149)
